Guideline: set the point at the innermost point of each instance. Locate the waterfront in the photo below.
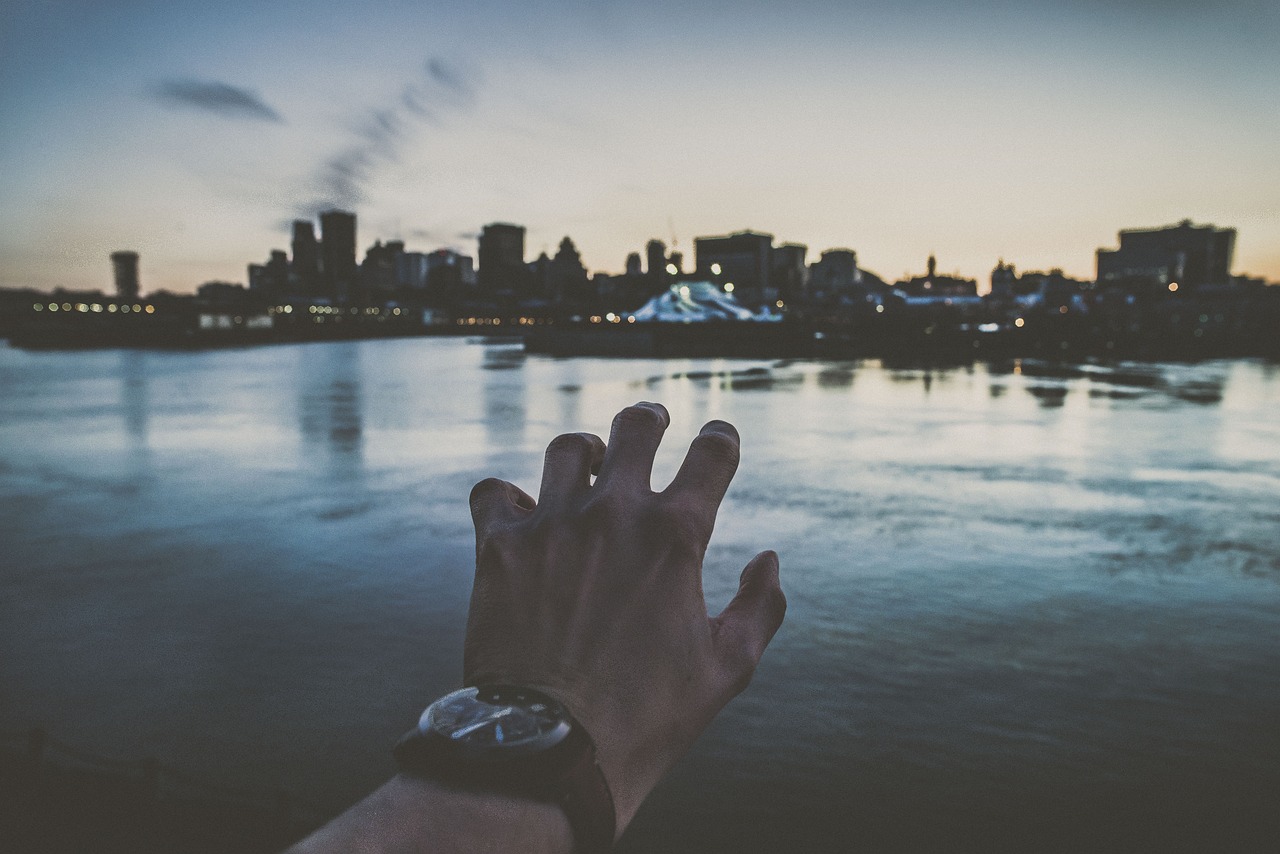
(1026, 603)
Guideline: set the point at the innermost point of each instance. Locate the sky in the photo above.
(1032, 132)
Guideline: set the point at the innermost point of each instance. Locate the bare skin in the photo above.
(592, 594)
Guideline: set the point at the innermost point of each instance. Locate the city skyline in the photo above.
(194, 135)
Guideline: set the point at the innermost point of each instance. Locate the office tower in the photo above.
(566, 275)
(338, 276)
(305, 269)
(1184, 254)
(501, 257)
(125, 266)
(744, 258)
(379, 272)
(790, 274)
(633, 264)
(655, 253)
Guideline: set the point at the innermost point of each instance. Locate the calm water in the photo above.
(1027, 611)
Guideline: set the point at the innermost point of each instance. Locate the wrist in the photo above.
(411, 814)
(515, 741)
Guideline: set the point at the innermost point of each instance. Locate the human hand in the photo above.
(593, 595)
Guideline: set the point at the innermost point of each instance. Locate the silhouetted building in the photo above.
(745, 259)
(304, 272)
(270, 280)
(451, 277)
(790, 276)
(1183, 254)
(835, 272)
(338, 256)
(633, 265)
(125, 267)
(380, 268)
(1052, 287)
(933, 284)
(411, 272)
(655, 253)
(1003, 278)
(501, 257)
(566, 276)
(223, 293)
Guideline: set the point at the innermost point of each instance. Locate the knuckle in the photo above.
(687, 524)
(604, 506)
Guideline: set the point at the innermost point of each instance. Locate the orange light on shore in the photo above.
(1173, 286)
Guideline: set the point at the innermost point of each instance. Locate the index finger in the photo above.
(709, 466)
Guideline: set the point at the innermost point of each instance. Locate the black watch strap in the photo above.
(567, 774)
(588, 805)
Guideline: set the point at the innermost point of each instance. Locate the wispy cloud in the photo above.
(211, 96)
(345, 178)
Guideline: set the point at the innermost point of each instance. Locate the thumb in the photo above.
(747, 624)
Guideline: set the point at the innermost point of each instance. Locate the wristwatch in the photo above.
(518, 741)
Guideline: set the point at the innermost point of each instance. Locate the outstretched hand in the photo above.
(593, 594)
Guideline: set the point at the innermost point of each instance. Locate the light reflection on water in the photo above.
(1024, 600)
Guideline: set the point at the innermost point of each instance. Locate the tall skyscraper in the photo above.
(305, 269)
(655, 253)
(339, 278)
(501, 258)
(125, 267)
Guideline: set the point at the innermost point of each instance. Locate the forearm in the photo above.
(409, 815)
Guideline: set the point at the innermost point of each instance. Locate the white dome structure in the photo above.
(698, 302)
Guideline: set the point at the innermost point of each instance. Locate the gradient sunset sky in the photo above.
(1029, 131)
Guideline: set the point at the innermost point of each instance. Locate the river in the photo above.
(1031, 607)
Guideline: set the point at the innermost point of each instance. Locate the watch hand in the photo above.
(467, 730)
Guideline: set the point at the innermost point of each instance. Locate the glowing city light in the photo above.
(1019, 323)
(728, 287)
(1173, 286)
(671, 269)
(715, 269)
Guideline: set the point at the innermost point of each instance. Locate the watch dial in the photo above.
(498, 718)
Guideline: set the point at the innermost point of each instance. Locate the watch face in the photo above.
(498, 719)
